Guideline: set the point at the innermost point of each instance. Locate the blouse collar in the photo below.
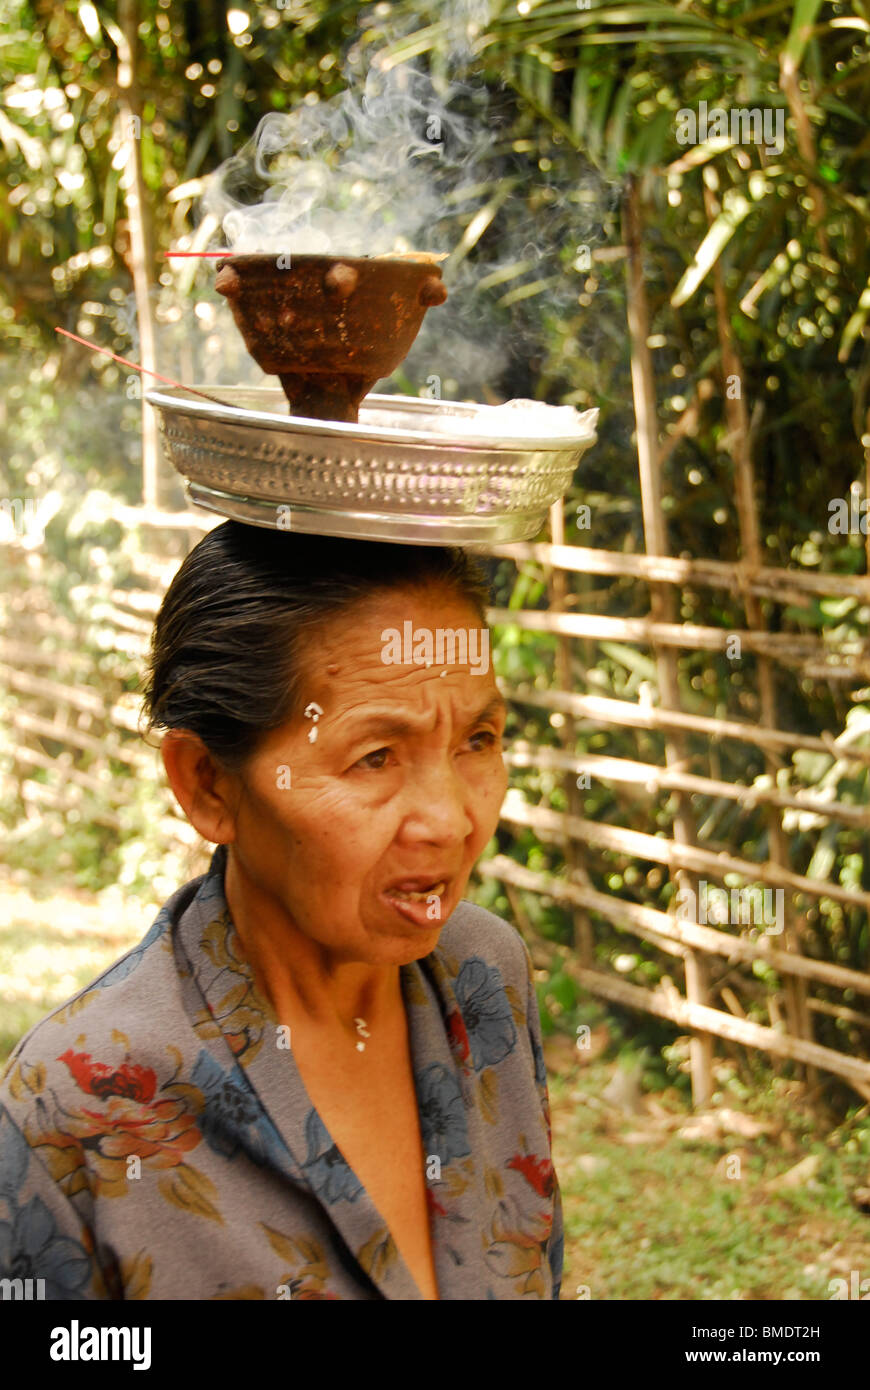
(240, 1035)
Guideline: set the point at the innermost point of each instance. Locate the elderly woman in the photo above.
(320, 1073)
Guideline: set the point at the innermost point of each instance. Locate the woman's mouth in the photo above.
(417, 901)
(419, 895)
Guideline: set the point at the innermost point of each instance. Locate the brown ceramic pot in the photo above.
(328, 326)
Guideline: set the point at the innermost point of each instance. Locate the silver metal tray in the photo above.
(419, 471)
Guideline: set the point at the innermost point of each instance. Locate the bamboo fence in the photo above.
(682, 853)
(75, 742)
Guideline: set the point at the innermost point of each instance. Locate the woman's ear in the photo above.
(205, 792)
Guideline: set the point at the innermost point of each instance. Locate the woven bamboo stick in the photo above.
(599, 709)
(722, 1025)
(649, 923)
(651, 778)
(789, 648)
(767, 582)
(824, 1006)
(67, 773)
(83, 700)
(664, 1003)
(640, 845)
(74, 738)
(40, 795)
(661, 597)
(17, 654)
(572, 849)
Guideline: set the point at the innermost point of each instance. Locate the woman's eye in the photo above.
(489, 740)
(374, 760)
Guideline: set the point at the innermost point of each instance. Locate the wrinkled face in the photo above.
(361, 822)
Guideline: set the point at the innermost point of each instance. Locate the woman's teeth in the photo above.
(419, 897)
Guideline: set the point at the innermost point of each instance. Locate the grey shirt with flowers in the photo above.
(157, 1140)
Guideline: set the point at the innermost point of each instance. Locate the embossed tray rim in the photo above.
(472, 531)
(179, 401)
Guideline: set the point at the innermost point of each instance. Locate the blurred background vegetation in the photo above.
(581, 103)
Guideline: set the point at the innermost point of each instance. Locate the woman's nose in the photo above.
(437, 805)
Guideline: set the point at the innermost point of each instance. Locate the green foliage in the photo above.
(576, 100)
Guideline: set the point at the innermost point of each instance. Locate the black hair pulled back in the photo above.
(227, 645)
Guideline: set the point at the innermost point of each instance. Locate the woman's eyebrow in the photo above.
(497, 705)
(389, 726)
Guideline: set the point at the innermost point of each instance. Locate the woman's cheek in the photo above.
(488, 785)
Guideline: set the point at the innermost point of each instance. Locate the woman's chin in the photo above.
(396, 940)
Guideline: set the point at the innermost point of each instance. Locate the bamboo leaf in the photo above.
(711, 248)
(530, 290)
(580, 100)
(477, 226)
(802, 21)
(616, 132)
(649, 147)
(503, 274)
(599, 117)
(855, 326)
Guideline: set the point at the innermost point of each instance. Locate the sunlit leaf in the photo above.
(711, 248)
(803, 19)
(855, 325)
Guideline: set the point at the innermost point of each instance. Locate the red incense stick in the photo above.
(94, 347)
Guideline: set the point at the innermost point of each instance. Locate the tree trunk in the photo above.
(141, 242)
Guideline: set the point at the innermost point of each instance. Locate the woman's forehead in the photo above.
(420, 710)
(417, 695)
(413, 627)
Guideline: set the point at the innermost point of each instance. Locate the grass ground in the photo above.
(666, 1204)
(747, 1201)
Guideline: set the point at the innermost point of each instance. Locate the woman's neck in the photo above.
(302, 978)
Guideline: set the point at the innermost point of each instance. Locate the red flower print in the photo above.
(538, 1172)
(435, 1207)
(457, 1036)
(100, 1080)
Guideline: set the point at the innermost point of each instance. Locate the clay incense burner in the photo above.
(329, 327)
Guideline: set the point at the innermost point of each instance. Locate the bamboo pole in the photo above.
(650, 778)
(737, 418)
(141, 249)
(601, 709)
(786, 647)
(661, 597)
(572, 849)
(781, 585)
(675, 854)
(789, 82)
(714, 1021)
(650, 922)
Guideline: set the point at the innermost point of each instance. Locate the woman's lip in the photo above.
(437, 883)
(413, 886)
(419, 911)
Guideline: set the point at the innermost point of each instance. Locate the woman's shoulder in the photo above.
(61, 1054)
(472, 932)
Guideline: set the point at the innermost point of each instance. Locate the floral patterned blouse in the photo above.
(157, 1141)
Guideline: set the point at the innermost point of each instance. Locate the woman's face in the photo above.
(361, 822)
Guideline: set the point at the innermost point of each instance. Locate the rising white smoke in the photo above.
(363, 174)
